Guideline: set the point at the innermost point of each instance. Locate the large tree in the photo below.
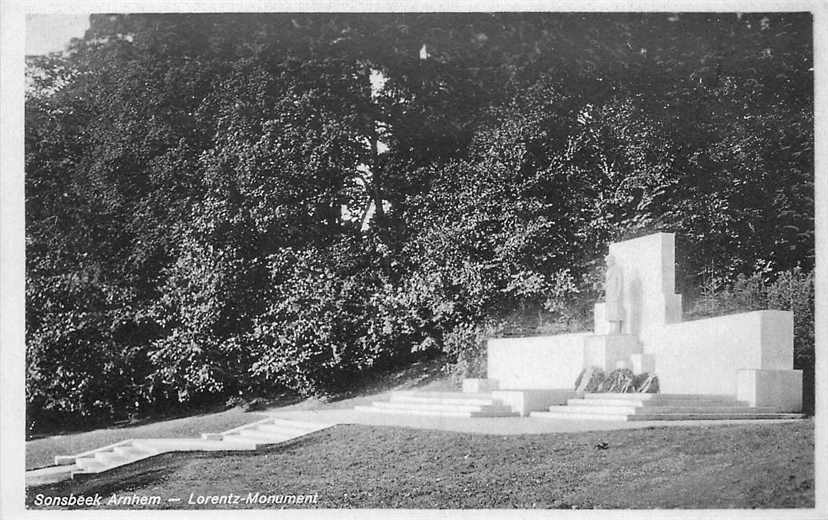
(188, 176)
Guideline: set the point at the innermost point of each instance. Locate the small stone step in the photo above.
(50, 474)
(89, 465)
(110, 458)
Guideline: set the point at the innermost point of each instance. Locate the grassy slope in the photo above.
(765, 465)
(41, 452)
(423, 374)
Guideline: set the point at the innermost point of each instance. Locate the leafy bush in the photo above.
(323, 324)
(466, 346)
(85, 359)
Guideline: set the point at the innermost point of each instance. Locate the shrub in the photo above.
(466, 346)
(328, 319)
(85, 358)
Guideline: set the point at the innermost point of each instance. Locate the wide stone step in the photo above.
(577, 409)
(658, 410)
(293, 423)
(641, 396)
(707, 415)
(238, 443)
(284, 429)
(260, 436)
(288, 431)
(459, 399)
(565, 412)
(130, 451)
(558, 414)
(655, 403)
(438, 413)
(441, 394)
(440, 407)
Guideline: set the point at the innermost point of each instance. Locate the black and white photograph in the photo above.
(370, 260)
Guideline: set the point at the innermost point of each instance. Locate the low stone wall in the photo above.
(541, 362)
(703, 356)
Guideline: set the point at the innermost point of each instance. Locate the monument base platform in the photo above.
(659, 407)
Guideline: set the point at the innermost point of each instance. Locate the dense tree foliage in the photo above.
(225, 204)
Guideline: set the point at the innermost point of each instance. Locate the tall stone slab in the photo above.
(649, 298)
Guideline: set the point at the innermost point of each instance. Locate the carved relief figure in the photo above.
(613, 288)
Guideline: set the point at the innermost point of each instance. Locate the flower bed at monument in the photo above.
(620, 380)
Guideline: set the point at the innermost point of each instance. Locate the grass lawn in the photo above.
(424, 375)
(727, 466)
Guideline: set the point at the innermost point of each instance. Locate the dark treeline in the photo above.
(222, 204)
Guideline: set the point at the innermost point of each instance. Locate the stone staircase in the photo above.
(658, 407)
(252, 436)
(447, 404)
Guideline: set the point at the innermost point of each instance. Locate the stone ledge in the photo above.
(525, 401)
(778, 389)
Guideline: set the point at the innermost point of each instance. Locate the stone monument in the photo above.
(748, 355)
(734, 366)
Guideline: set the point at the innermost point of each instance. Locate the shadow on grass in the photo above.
(418, 374)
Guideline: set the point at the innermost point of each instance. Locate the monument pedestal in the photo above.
(606, 350)
(780, 390)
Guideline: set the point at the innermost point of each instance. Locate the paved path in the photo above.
(489, 425)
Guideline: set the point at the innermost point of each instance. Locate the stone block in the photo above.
(702, 356)
(527, 401)
(604, 351)
(776, 340)
(479, 385)
(777, 389)
(649, 299)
